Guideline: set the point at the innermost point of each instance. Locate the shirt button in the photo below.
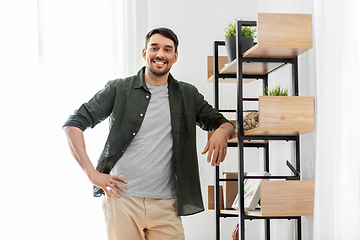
(141, 114)
(134, 134)
(147, 96)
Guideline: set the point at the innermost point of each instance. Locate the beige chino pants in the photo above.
(137, 218)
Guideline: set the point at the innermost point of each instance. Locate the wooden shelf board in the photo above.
(275, 51)
(258, 213)
(253, 68)
(229, 211)
(280, 131)
(234, 139)
(230, 68)
(225, 211)
(229, 80)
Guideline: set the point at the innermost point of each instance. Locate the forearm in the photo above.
(75, 138)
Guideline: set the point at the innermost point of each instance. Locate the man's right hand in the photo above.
(108, 183)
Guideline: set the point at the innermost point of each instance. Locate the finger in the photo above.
(106, 192)
(120, 186)
(215, 157)
(120, 178)
(220, 158)
(225, 153)
(206, 148)
(210, 152)
(114, 190)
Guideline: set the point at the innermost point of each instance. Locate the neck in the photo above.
(154, 80)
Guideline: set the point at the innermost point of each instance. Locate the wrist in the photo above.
(228, 129)
(91, 174)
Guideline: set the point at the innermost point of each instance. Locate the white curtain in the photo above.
(337, 192)
(55, 55)
(131, 17)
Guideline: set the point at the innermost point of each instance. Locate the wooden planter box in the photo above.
(282, 35)
(284, 116)
(286, 198)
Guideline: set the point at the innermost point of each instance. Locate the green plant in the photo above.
(246, 31)
(277, 91)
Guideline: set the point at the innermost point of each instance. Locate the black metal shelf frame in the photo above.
(241, 138)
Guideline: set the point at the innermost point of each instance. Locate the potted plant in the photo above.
(277, 91)
(247, 39)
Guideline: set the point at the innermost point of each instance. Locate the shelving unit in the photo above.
(281, 38)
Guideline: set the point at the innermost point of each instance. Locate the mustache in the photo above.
(159, 59)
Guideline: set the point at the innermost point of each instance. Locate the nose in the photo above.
(160, 53)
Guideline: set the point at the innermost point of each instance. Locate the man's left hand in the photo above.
(216, 147)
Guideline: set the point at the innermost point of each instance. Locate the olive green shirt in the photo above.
(125, 101)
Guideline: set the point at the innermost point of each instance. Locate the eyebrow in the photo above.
(155, 44)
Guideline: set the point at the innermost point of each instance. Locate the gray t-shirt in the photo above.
(147, 162)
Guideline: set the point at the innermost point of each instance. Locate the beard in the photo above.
(158, 72)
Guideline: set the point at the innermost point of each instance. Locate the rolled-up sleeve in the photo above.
(95, 111)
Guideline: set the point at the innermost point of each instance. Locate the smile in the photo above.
(160, 62)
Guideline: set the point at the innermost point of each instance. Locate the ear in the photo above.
(175, 57)
(144, 53)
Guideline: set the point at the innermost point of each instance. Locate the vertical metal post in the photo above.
(217, 203)
(266, 158)
(265, 83)
(295, 84)
(295, 77)
(297, 154)
(266, 163)
(240, 130)
(216, 74)
(267, 168)
(267, 229)
(298, 228)
(216, 105)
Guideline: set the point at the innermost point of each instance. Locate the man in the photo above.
(148, 169)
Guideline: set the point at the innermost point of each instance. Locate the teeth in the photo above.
(159, 63)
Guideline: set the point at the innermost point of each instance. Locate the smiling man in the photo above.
(148, 169)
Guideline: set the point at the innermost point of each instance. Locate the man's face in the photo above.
(159, 54)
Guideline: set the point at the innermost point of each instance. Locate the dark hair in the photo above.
(166, 32)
